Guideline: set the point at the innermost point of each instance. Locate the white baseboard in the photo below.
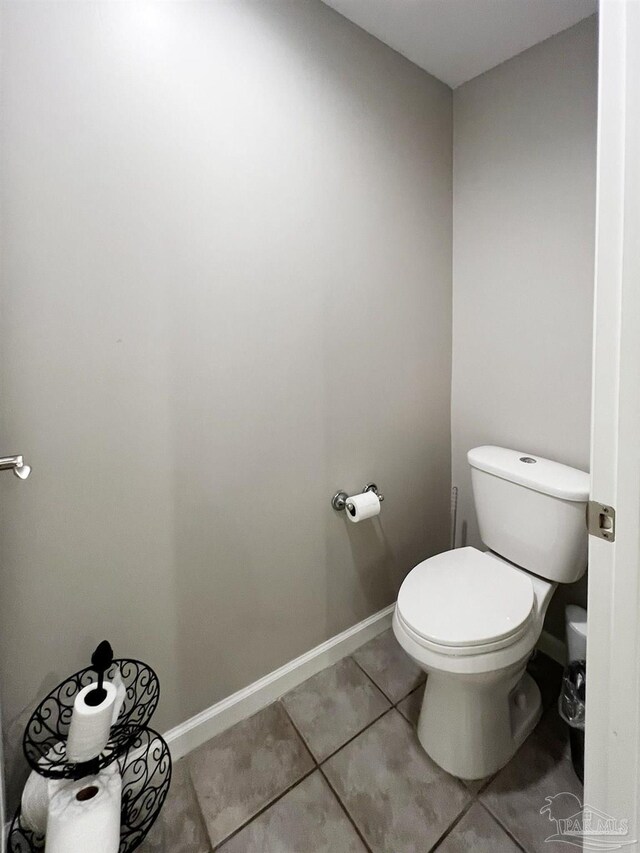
(552, 646)
(210, 722)
(199, 729)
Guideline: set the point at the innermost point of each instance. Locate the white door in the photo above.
(612, 772)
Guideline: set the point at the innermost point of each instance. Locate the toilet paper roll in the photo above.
(35, 803)
(90, 725)
(85, 815)
(37, 793)
(360, 507)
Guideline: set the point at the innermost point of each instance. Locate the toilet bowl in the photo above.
(471, 618)
(471, 621)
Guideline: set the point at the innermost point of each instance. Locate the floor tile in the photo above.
(396, 795)
(180, 828)
(388, 665)
(333, 706)
(548, 676)
(553, 733)
(540, 769)
(242, 770)
(308, 818)
(411, 706)
(477, 832)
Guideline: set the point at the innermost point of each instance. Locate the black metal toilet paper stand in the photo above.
(143, 756)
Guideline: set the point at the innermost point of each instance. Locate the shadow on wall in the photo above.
(372, 558)
(374, 565)
(464, 529)
(16, 769)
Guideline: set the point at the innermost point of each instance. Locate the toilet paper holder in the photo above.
(339, 500)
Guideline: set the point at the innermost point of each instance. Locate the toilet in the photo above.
(471, 618)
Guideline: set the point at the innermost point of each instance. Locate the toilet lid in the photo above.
(465, 598)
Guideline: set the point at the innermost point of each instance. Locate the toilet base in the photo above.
(472, 725)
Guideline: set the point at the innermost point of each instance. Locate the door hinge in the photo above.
(601, 521)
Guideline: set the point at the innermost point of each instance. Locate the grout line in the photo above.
(485, 783)
(452, 825)
(410, 693)
(501, 825)
(371, 679)
(389, 698)
(265, 808)
(345, 810)
(298, 732)
(368, 726)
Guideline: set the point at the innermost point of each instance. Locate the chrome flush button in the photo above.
(528, 459)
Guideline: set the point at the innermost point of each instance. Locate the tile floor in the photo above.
(335, 767)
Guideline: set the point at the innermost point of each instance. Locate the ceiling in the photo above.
(456, 40)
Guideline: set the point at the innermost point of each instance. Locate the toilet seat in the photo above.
(466, 602)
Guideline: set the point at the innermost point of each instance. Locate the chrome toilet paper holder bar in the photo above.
(339, 500)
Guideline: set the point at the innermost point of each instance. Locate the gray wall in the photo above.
(524, 208)
(226, 293)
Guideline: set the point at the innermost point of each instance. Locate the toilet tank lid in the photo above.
(533, 472)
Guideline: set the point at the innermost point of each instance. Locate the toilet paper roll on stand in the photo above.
(361, 507)
(85, 815)
(38, 791)
(35, 803)
(91, 723)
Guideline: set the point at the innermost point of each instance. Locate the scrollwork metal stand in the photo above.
(142, 755)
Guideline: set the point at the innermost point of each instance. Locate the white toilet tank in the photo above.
(531, 511)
